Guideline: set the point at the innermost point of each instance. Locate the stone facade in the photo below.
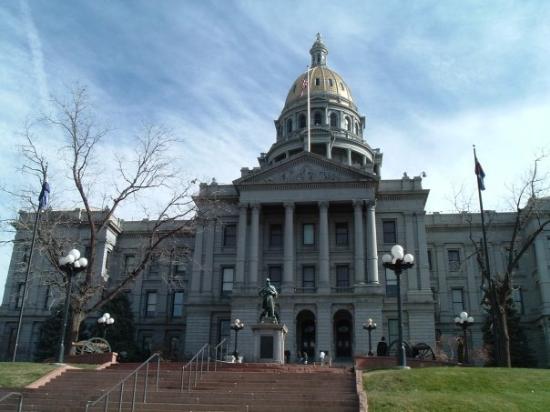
(315, 217)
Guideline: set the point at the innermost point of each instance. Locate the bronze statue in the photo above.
(268, 294)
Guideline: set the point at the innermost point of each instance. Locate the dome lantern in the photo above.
(318, 52)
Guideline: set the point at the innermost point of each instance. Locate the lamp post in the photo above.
(71, 265)
(370, 326)
(237, 326)
(399, 261)
(464, 321)
(105, 321)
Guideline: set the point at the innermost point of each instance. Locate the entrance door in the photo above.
(305, 334)
(343, 333)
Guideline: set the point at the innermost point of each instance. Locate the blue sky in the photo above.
(432, 78)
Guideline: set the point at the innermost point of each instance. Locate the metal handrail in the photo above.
(189, 366)
(9, 395)
(135, 374)
(219, 347)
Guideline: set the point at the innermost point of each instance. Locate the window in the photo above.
(347, 123)
(309, 234)
(391, 284)
(275, 235)
(150, 304)
(430, 267)
(302, 121)
(393, 330)
(317, 81)
(342, 276)
(342, 238)
(517, 296)
(333, 120)
(342, 86)
(227, 280)
(154, 267)
(177, 304)
(389, 231)
(453, 256)
(146, 343)
(230, 236)
(274, 273)
(317, 119)
(223, 329)
(129, 263)
(19, 297)
(356, 129)
(457, 300)
(48, 298)
(308, 277)
(294, 88)
(330, 82)
(289, 125)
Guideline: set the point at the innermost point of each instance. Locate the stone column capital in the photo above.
(256, 206)
(357, 203)
(289, 205)
(323, 204)
(371, 203)
(243, 206)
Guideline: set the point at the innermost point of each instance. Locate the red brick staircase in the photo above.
(233, 387)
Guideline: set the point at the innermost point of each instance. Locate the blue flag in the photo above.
(480, 175)
(44, 196)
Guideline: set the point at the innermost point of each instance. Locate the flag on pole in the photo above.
(44, 196)
(480, 175)
(304, 86)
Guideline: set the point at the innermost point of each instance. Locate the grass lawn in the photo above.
(20, 374)
(458, 389)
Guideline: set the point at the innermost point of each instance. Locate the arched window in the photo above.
(302, 121)
(289, 125)
(333, 120)
(347, 123)
(357, 129)
(317, 119)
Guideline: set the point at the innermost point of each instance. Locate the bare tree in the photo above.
(530, 218)
(148, 168)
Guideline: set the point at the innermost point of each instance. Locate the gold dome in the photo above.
(323, 82)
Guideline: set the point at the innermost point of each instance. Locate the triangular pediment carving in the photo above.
(305, 168)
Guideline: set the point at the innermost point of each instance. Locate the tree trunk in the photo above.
(77, 318)
(504, 344)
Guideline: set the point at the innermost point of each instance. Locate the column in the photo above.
(358, 240)
(254, 245)
(543, 272)
(209, 256)
(324, 282)
(241, 246)
(412, 275)
(288, 268)
(349, 156)
(329, 150)
(372, 249)
(197, 260)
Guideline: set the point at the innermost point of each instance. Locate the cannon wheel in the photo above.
(96, 345)
(392, 349)
(423, 351)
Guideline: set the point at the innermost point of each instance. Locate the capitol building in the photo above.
(314, 216)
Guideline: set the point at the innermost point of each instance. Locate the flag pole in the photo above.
(42, 201)
(308, 114)
(492, 294)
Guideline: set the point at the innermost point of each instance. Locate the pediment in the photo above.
(306, 168)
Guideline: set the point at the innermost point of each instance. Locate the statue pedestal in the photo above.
(269, 342)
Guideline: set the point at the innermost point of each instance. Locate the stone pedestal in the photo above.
(269, 342)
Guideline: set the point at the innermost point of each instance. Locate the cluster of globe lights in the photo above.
(397, 254)
(463, 319)
(74, 259)
(106, 319)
